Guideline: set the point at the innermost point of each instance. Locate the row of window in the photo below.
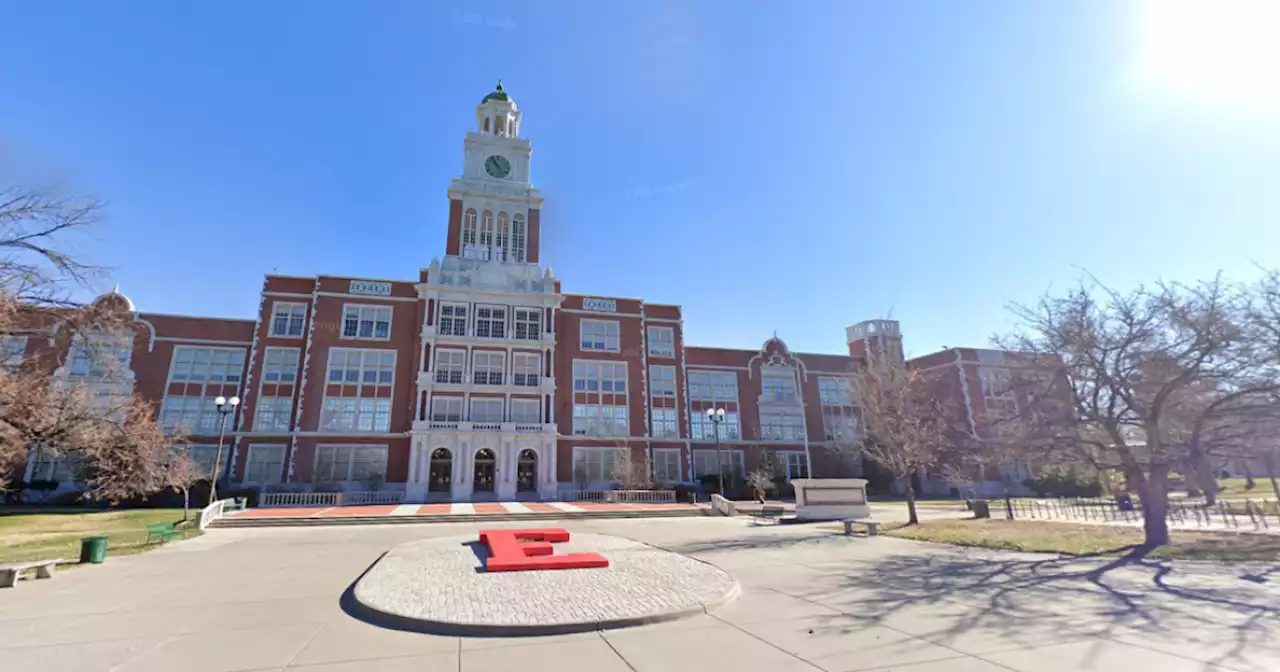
(265, 463)
(487, 367)
(501, 240)
(458, 319)
(288, 320)
(487, 410)
(604, 336)
(605, 464)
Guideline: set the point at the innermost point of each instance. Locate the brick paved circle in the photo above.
(439, 585)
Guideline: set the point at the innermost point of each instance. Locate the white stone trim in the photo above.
(288, 295)
(203, 341)
(366, 297)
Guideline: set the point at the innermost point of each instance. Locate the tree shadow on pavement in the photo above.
(1206, 612)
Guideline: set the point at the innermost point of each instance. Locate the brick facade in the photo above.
(344, 377)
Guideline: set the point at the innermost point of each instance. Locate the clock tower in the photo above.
(493, 208)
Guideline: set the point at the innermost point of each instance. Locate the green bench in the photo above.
(773, 513)
(164, 532)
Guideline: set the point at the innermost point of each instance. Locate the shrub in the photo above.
(250, 494)
(42, 487)
(327, 486)
(1058, 481)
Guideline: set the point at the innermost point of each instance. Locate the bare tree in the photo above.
(627, 473)
(1145, 380)
(181, 472)
(37, 226)
(906, 426)
(125, 454)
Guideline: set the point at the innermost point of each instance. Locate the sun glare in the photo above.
(1219, 52)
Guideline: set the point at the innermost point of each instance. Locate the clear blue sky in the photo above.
(768, 165)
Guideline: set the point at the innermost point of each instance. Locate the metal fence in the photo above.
(1225, 514)
(644, 496)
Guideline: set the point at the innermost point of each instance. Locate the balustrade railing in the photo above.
(211, 513)
(611, 496)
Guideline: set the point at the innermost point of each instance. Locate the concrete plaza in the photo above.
(270, 599)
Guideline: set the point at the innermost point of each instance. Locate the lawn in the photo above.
(1234, 488)
(1074, 539)
(41, 533)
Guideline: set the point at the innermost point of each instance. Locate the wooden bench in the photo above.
(773, 513)
(163, 532)
(9, 573)
(871, 525)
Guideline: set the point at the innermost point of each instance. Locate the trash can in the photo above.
(93, 549)
(981, 508)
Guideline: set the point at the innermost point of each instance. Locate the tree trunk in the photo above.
(1202, 475)
(1268, 459)
(186, 505)
(1153, 489)
(912, 517)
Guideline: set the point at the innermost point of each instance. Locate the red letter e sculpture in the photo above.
(523, 550)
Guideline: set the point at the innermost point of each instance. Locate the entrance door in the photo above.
(484, 470)
(440, 473)
(527, 471)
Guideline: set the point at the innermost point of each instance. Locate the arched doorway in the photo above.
(485, 464)
(527, 471)
(440, 473)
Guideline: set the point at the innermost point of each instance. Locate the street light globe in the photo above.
(711, 413)
(234, 401)
(720, 414)
(219, 401)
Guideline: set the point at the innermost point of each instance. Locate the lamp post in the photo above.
(716, 416)
(225, 407)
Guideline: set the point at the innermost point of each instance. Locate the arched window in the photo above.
(504, 237)
(486, 124)
(511, 127)
(517, 239)
(469, 227)
(486, 234)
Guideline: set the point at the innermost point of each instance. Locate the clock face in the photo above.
(497, 166)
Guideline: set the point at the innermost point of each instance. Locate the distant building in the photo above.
(482, 378)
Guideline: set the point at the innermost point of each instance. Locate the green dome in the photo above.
(498, 94)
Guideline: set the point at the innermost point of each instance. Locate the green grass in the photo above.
(1234, 488)
(42, 533)
(1073, 539)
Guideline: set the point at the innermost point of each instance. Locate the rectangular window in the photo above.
(366, 322)
(839, 423)
(664, 423)
(599, 420)
(797, 466)
(288, 319)
(486, 367)
(596, 465)
(526, 411)
(335, 464)
(491, 322)
(446, 409)
(662, 381)
(778, 386)
(356, 414)
(731, 461)
(600, 335)
(608, 377)
(272, 414)
(200, 365)
(13, 347)
(781, 426)
(99, 355)
(486, 410)
(528, 324)
(712, 390)
(701, 428)
(280, 365)
(666, 465)
(525, 368)
(62, 467)
(265, 464)
(205, 457)
(451, 366)
(453, 319)
(662, 341)
(368, 367)
(834, 391)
